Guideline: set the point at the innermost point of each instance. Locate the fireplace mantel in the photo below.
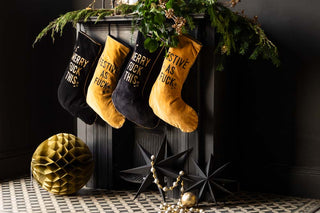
(115, 150)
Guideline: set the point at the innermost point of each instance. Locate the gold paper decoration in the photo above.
(62, 164)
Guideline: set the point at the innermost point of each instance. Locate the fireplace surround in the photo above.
(116, 149)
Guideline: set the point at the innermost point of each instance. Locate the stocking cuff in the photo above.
(195, 43)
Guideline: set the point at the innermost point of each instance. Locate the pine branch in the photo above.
(236, 34)
(57, 25)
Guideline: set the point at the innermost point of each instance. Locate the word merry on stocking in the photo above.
(77, 63)
(135, 67)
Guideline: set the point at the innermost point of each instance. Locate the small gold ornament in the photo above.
(188, 199)
(224, 49)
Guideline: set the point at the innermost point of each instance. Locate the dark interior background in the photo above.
(267, 119)
(29, 110)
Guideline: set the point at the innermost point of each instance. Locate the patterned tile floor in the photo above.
(25, 195)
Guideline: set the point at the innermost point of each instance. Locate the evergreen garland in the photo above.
(161, 21)
(57, 25)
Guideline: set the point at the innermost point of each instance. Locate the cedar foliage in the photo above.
(236, 34)
(57, 25)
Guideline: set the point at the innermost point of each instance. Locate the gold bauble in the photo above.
(62, 164)
(188, 199)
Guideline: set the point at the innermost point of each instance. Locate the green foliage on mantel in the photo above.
(161, 21)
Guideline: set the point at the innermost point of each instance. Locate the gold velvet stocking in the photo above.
(105, 80)
(165, 98)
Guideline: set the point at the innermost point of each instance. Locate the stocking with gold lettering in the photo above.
(130, 97)
(72, 88)
(165, 97)
(105, 80)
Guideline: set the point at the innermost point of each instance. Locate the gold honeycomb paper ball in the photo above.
(62, 164)
(188, 199)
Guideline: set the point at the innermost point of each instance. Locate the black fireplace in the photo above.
(116, 149)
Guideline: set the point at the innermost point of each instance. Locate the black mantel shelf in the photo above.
(125, 18)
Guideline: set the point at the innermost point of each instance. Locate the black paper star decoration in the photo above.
(165, 166)
(208, 180)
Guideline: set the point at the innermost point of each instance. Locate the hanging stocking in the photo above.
(129, 97)
(105, 80)
(165, 98)
(71, 91)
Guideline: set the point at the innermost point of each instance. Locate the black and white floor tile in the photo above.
(25, 195)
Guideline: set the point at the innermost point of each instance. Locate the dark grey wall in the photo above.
(267, 119)
(29, 109)
(270, 118)
(78, 5)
